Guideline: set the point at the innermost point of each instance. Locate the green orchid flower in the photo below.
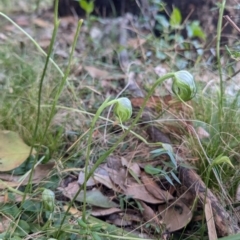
(184, 85)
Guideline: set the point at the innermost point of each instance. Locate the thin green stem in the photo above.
(54, 34)
(219, 31)
(89, 142)
(106, 154)
(64, 78)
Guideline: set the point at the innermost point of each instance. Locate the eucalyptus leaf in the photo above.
(96, 198)
(13, 151)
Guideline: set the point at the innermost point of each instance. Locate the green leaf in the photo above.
(96, 236)
(175, 177)
(152, 170)
(88, 7)
(195, 30)
(175, 18)
(222, 159)
(233, 54)
(13, 151)
(169, 179)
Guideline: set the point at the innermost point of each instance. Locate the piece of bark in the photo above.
(225, 224)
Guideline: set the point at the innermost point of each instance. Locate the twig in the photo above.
(234, 25)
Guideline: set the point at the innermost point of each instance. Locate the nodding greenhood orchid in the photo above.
(183, 85)
(123, 109)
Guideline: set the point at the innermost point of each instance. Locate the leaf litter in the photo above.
(111, 182)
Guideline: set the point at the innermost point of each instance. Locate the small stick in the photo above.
(234, 25)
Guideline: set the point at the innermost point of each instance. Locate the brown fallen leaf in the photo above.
(118, 177)
(154, 103)
(138, 191)
(154, 189)
(175, 216)
(100, 176)
(4, 223)
(118, 220)
(99, 212)
(136, 42)
(39, 22)
(97, 73)
(133, 166)
(40, 172)
(73, 211)
(148, 214)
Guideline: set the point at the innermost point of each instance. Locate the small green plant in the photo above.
(172, 33)
(87, 6)
(184, 88)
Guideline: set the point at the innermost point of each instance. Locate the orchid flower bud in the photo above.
(183, 85)
(48, 198)
(123, 109)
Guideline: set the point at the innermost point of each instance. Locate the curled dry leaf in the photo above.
(154, 189)
(175, 216)
(100, 212)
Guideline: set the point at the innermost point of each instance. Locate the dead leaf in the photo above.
(96, 73)
(118, 177)
(81, 178)
(99, 212)
(156, 135)
(13, 151)
(136, 42)
(175, 216)
(133, 166)
(137, 191)
(118, 220)
(202, 133)
(93, 197)
(39, 22)
(4, 223)
(100, 176)
(148, 214)
(132, 85)
(39, 173)
(153, 103)
(154, 189)
(73, 211)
